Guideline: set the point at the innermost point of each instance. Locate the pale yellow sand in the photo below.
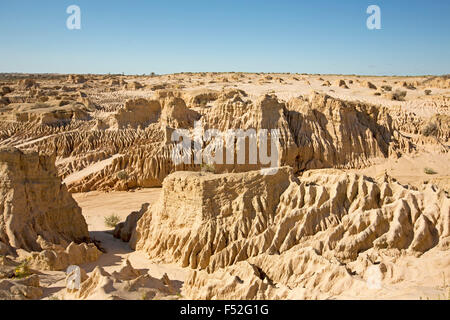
(96, 206)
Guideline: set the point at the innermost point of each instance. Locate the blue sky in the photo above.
(136, 37)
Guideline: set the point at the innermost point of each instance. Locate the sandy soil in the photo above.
(408, 169)
(96, 206)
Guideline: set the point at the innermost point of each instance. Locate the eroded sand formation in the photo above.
(35, 204)
(41, 225)
(359, 207)
(293, 233)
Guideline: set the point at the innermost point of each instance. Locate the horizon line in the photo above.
(222, 72)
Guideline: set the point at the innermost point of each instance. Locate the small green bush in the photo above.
(399, 95)
(112, 220)
(122, 175)
(208, 168)
(430, 129)
(22, 270)
(429, 171)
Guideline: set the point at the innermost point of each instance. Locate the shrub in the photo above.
(122, 175)
(408, 86)
(427, 92)
(398, 95)
(112, 220)
(430, 129)
(22, 270)
(208, 168)
(429, 171)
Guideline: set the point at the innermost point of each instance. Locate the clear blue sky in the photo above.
(165, 36)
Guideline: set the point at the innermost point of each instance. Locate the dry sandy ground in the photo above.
(96, 206)
(409, 169)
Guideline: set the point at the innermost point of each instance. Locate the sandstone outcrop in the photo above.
(33, 203)
(20, 289)
(17, 281)
(438, 126)
(125, 230)
(438, 82)
(134, 85)
(333, 133)
(341, 83)
(220, 223)
(76, 79)
(316, 131)
(136, 113)
(27, 84)
(369, 85)
(58, 258)
(127, 283)
(176, 114)
(200, 98)
(52, 113)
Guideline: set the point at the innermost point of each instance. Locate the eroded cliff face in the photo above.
(34, 202)
(204, 221)
(278, 228)
(107, 136)
(332, 133)
(306, 231)
(314, 132)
